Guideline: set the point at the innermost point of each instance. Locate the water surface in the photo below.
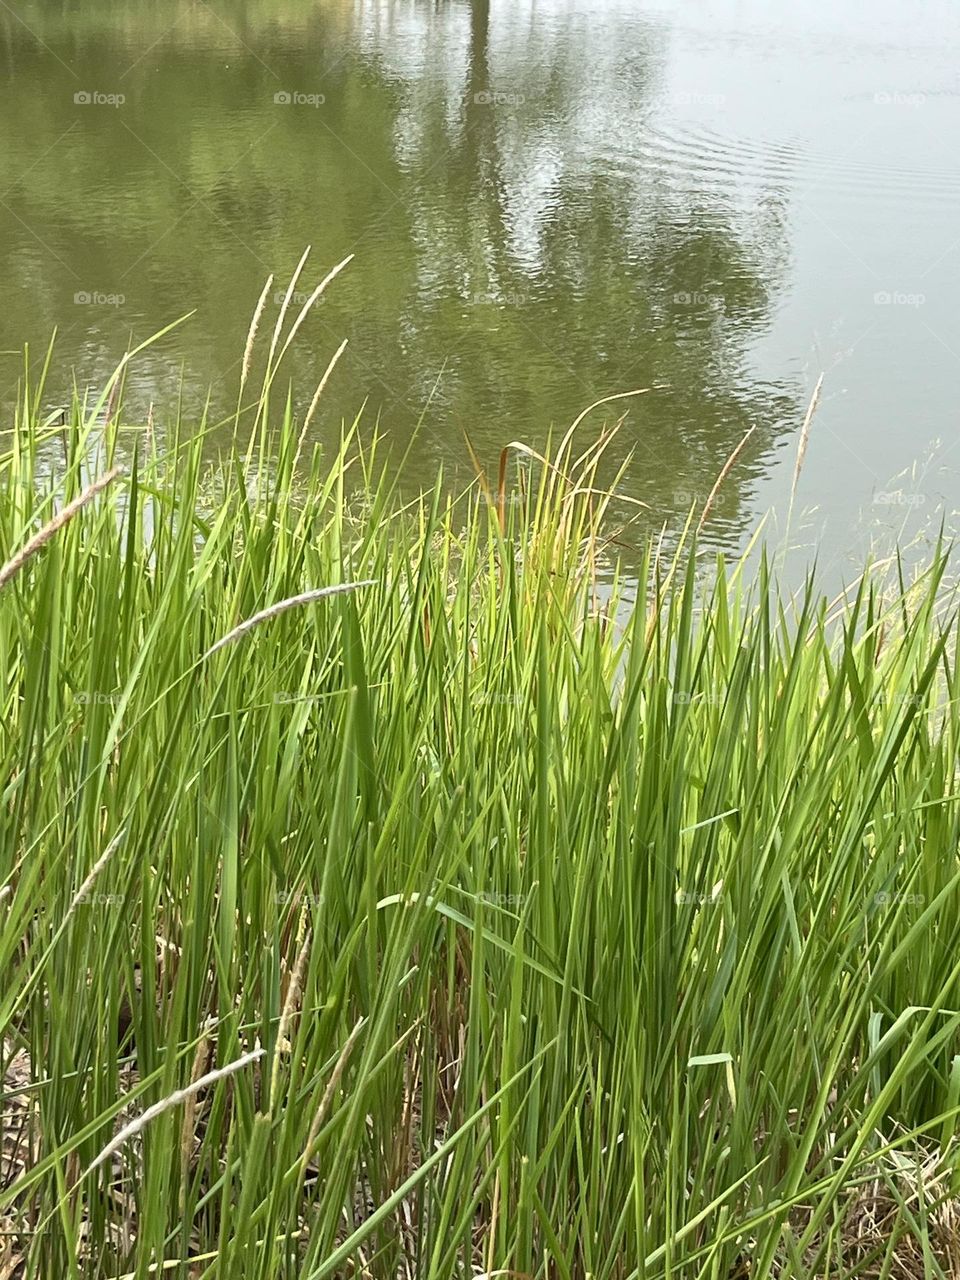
(549, 201)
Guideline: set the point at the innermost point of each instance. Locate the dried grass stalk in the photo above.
(305, 597)
(53, 527)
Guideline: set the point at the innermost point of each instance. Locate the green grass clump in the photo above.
(494, 917)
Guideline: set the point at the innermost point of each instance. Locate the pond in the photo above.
(548, 202)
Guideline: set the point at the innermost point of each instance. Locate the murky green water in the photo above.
(549, 201)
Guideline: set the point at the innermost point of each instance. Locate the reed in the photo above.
(482, 920)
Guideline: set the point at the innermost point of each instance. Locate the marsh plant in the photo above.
(387, 888)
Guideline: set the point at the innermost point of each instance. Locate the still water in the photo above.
(548, 201)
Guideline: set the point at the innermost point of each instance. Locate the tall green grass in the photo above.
(528, 921)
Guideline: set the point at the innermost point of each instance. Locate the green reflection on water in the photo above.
(515, 258)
